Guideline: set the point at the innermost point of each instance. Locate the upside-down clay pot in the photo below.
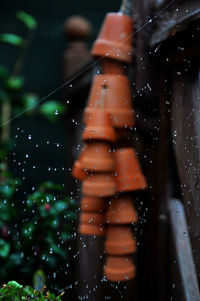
(92, 223)
(115, 38)
(78, 171)
(119, 268)
(129, 176)
(98, 157)
(88, 229)
(117, 99)
(121, 211)
(111, 66)
(99, 127)
(100, 185)
(93, 204)
(119, 241)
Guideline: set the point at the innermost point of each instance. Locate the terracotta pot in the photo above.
(87, 229)
(117, 100)
(92, 223)
(78, 171)
(99, 127)
(92, 218)
(110, 66)
(98, 157)
(119, 268)
(129, 176)
(121, 211)
(93, 204)
(115, 38)
(100, 185)
(119, 241)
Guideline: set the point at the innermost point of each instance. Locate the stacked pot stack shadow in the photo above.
(107, 165)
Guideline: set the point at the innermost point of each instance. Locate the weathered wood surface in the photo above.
(185, 123)
(184, 286)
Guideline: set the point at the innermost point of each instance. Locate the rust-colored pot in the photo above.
(100, 185)
(92, 218)
(78, 171)
(115, 38)
(119, 268)
(98, 157)
(93, 204)
(99, 127)
(92, 223)
(119, 241)
(88, 229)
(110, 66)
(121, 211)
(117, 99)
(129, 176)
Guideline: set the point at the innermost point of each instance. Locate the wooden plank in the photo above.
(187, 287)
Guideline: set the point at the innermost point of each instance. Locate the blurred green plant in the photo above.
(34, 232)
(13, 99)
(16, 292)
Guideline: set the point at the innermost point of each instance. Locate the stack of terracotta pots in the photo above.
(109, 169)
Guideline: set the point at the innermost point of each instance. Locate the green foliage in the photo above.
(12, 39)
(52, 109)
(48, 226)
(16, 292)
(27, 19)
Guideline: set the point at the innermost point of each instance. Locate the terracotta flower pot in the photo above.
(117, 100)
(99, 127)
(100, 185)
(87, 229)
(93, 204)
(110, 66)
(78, 171)
(115, 38)
(119, 241)
(92, 218)
(129, 176)
(121, 211)
(119, 268)
(98, 157)
(92, 223)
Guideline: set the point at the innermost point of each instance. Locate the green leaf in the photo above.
(27, 19)
(4, 248)
(30, 101)
(51, 186)
(52, 109)
(12, 39)
(15, 83)
(14, 284)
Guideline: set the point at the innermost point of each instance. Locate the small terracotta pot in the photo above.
(87, 229)
(100, 185)
(115, 38)
(121, 211)
(99, 127)
(117, 100)
(129, 176)
(119, 241)
(110, 66)
(92, 223)
(78, 171)
(93, 204)
(98, 157)
(92, 218)
(119, 268)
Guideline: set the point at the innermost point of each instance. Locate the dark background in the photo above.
(43, 72)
